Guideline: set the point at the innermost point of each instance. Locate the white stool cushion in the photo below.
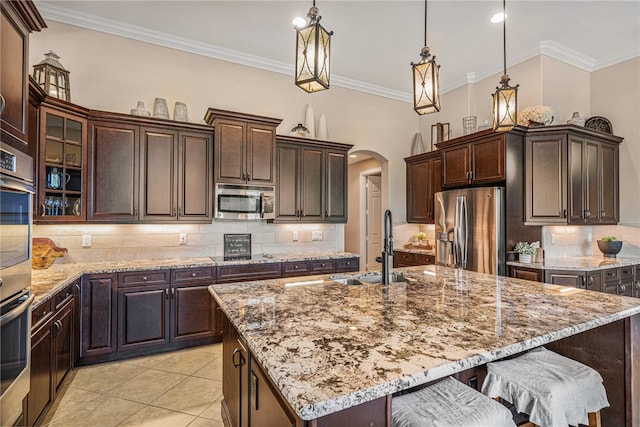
(448, 403)
(552, 389)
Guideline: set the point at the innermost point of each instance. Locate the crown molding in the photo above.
(567, 55)
(134, 32)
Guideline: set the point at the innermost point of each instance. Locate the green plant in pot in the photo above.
(525, 251)
(609, 246)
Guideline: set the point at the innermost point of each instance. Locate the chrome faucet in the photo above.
(387, 252)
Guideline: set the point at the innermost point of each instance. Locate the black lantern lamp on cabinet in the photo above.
(313, 51)
(426, 79)
(505, 99)
(53, 77)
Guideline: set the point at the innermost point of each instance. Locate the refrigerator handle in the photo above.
(464, 231)
(456, 235)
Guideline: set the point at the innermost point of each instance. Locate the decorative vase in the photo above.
(524, 258)
(610, 248)
(140, 110)
(323, 131)
(576, 119)
(309, 121)
(180, 112)
(533, 124)
(160, 109)
(417, 146)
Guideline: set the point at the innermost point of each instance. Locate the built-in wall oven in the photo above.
(16, 196)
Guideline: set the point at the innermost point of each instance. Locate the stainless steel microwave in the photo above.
(244, 202)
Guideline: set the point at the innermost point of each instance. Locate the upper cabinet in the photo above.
(476, 159)
(424, 179)
(571, 176)
(149, 170)
(18, 19)
(311, 180)
(244, 147)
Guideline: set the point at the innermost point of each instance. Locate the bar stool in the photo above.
(552, 389)
(448, 403)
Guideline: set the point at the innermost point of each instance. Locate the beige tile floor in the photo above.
(176, 389)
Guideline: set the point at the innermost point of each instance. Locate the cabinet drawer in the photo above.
(295, 268)
(138, 278)
(184, 275)
(347, 264)
(405, 258)
(244, 272)
(61, 298)
(41, 314)
(323, 266)
(424, 259)
(612, 274)
(626, 272)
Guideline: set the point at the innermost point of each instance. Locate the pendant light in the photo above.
(313, 50)
(426, 79)
(505, 100)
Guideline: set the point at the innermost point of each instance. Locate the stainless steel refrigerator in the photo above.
(470, 229)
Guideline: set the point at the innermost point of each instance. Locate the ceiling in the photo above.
(375, 41)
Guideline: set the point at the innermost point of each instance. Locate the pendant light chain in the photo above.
(425, 22)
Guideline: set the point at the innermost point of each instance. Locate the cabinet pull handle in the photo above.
(44, 211)
(175, 211)
(3, 104)
(233, 358)
(179, 211)
(173, 291)
(564, 213)
(44, 313)
(57, 327)
(135, 211)
(603, 214)
(166, 292)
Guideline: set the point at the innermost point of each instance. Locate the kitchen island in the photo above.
(333, 353)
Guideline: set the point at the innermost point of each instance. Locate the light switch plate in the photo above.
(183, 238)
(316, 235)
(86, 240)
(294, 236)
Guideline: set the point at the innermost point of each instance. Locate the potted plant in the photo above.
(609, 246)
(420, 236)
(525, 251)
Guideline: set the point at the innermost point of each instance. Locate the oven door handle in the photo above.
(18, 311)
(8, 183)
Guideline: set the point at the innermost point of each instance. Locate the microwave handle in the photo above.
(261, 205)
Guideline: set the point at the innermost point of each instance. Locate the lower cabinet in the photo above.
(319, 266)
(266, 408)
(52, 351)
(589, 280)
(98, 314)
(235, 366)
(410, 259)
(533, 274)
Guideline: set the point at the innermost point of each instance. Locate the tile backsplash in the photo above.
(111, 242)
(559, 241)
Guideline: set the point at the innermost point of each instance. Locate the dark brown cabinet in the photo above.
(476, 159)
(589, 280)
(311, 180)
(98, 318)
(17, 20)
(244, 147)
(52, 351)
(424, 179)
(149, 170)
(239, 273)
(235, 367)
(410, 259)
(266, 407)
(61, 160)
(571, 176)
(142, 316)
(319, 266)
(620, 281)
(533, 274)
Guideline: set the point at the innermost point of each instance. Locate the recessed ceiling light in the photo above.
(299, 22)
(353, 156)
(498, 17)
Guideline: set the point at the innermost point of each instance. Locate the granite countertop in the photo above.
(586, 263)
(45, 283)
(418, 250)
(330, 346)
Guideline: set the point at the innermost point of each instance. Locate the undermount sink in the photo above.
(371, 279)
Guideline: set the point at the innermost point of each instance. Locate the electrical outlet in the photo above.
(589, 237)
(183, 238)
(294, 236)
(316, 235)
(553, 239)
(86, 240)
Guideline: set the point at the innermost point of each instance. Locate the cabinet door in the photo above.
(41, 391)
(404, 259)
(565, 278)
(546, 182)
(235, 359)
(261, 144)
(113, 172)
(336, 186)
(63, 356)
(287, 183)
(158, 174)
(594, 281)
(142, 317)
(192, 313)
(195, 177)
(487, 159)
(609, 186)
(456, 163)
(229, 156)
(435, 187)
(418, 183)
(591, 181)
(266, 407)
(534, 275)
(311, 184)
(98, 317)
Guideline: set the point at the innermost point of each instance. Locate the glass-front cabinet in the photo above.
(62, 166)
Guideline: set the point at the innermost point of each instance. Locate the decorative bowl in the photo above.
(610, 248)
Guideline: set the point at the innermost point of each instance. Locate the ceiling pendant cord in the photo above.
(426, 80)
(504, 36)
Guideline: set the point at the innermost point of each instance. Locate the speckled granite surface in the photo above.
(330, 346)
(587, 263)
(417, 250)
(44, 283)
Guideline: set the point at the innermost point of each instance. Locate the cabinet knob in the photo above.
(144, 278)
(323, 265)
(295, 267)
(348, 262)
(194, 274)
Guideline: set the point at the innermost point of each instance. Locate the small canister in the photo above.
(539, 255)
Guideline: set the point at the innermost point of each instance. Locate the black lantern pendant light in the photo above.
(426, 79)
(53, 77)
(505, 100)
(313, 49)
